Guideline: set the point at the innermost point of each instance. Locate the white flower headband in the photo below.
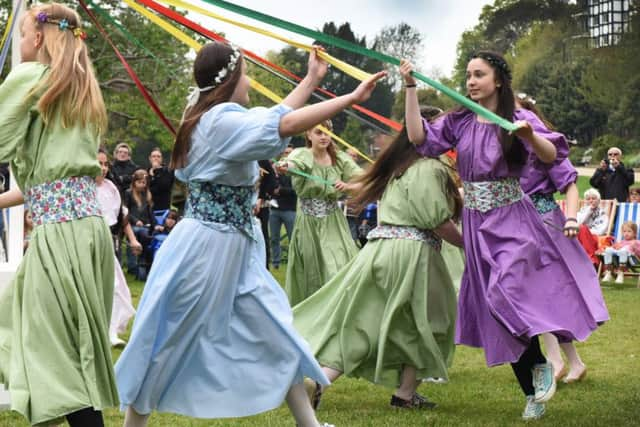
(194, 92)
(523, 96)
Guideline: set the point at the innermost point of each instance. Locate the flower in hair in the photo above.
(42, 17)
(63, 24)
(78, 32)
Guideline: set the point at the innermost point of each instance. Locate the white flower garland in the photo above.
(194, 92)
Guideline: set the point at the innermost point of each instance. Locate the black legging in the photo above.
(523, 368)
(87, 417)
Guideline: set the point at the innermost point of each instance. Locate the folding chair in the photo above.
(628, 212)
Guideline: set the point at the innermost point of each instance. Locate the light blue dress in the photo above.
(213, 336)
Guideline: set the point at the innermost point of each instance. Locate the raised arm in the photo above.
(307, 117)
(316, 70)
(413, 119)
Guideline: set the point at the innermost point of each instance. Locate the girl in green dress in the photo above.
(388, 315)
(55, 354)
(321, 242)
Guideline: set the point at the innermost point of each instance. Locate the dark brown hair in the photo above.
(331, 148)
(528, 103)
(506, 104)
(212, 58)
(392, 163)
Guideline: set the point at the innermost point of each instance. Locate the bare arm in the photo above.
(317, 69)
(307, 117)
(11, 198)
(449, 232)
(413, 119)
(544, 149)
(572, 211)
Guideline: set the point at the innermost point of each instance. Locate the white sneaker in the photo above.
(607, 276)
(116, 341)
(620, 277)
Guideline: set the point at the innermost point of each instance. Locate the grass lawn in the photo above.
(476, 395)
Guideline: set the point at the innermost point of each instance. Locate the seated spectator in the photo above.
(368, 221)
(623, 250)
(122, 168)
(160, 181)
(162, 232)
(138, 201)
(634, 195)
(593, 222)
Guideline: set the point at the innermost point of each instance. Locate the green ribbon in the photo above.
(352, 47)
(311, 177)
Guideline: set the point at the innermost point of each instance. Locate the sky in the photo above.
(440, 21)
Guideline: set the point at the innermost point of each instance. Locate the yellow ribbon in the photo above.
(189, 41)
(6, 30)
(341, 65)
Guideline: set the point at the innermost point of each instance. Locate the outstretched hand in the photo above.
(406, 68)
(317, 67)
(524, 131)
(364, 89)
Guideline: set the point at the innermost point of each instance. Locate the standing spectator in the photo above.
(267, 185)
(122, 168)
(283, 211)
(160, 181)
(612, 178)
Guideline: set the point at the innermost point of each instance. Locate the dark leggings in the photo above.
(523, 368)
(87, 417)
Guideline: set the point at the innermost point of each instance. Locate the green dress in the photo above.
(321, 243)
(393, 304)
(55, 355)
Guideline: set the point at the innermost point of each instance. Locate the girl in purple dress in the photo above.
(539, 181)
(510, 290)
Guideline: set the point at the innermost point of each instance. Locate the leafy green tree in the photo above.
(401, 41)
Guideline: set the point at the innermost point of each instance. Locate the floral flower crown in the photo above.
(63, 24)
(225, 71)
(524, 97)
(496, 62)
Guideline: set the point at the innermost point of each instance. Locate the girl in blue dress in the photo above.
(213, 337)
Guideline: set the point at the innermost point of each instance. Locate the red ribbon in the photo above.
(130, 71)
(174, 16)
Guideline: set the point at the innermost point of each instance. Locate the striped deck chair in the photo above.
(627, 212)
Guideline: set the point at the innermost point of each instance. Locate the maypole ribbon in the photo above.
(129, 70)
(311, 177)
(8, 34)
(177, 3)
(196, 46)
(341, 65)
(354, 48)
(129, 36)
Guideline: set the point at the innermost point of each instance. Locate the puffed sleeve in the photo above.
(442, 134)
(428, 203)
(348, 167)
(243, 135)
(556, 138)
(563, 174)
(302, 158)
(17, 107)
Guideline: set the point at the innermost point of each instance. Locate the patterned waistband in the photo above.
(544, 202)
(317, 207)
(223, 204)
(486, 195)
(406, 233)
(63, 200)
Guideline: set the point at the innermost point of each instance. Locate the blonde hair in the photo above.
(331, 148)
(631, 226)
(71, 88)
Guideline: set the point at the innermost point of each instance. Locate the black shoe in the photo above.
(416, 402)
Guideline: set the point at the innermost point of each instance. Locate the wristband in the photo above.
(571, 219)
(408, 86)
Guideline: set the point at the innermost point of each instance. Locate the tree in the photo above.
(400, 41)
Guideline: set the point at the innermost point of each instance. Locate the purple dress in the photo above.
(511, 288)
(539, 181)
